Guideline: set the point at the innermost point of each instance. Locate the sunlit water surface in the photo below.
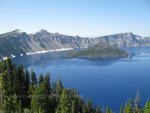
(106, 82)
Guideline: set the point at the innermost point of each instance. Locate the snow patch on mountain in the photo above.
(45, 51)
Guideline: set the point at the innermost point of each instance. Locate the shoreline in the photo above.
(38, 52)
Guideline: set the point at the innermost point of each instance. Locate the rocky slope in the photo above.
(18, 42)
(125, 40)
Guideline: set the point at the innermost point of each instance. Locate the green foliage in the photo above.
(65, 101)
(147, 107)
(40, 100)
(59, 88)
(137, 108)
(128, 107)
(73, 107)
(121, 109)
(98, 110)
(100, 50)
(108, 110)
(89, 106)
(27, 110)
(20, 107)
(7, 96)
(33, 78)
(47, 83)
(41, 79)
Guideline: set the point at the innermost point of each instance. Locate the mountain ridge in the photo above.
(19, 42)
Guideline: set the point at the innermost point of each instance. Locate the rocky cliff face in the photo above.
(18, 42)
(125, 40)
(47, 40)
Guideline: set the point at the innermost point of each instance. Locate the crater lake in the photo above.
(107, 82)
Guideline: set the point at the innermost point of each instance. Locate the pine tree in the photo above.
(65, 102)
(16, 83)
(20, 107)
(27, 110)
(128, 107)
(108, 110)
(9, 64)
(59, 88)
(47, 82)
(73, 108)
(98, 109)
(21, 78)
(7, 93)
(53, 102)
(33, 78)
(147, 107)
(84, 109)
(2, 66)
(137, 108)
(41, 79)
(27, 87)
(75, 100)
(33, 82)
(27, 80)
(80, 105)
(40, 100)
(121, 109)
(89, 106)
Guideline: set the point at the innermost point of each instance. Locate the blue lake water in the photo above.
(106, 82)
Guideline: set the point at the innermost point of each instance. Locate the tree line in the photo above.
(23, 92)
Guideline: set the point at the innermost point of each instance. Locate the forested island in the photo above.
(22, 92)
(99, 51)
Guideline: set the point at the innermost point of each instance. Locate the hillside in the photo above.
(99, 51)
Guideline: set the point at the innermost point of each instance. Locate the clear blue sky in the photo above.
(76, 17)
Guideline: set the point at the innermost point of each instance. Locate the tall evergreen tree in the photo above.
(33, 78)
(7, 93)
(27, 80)
(147, 107)
(84, 109)
(20, 107)
(89, 106)
(59, 88)
(47, 82)
(16, 83)
(121, 109)
(40, 100)
(98, 109)
(65, 104)
(108, 110)
(9, 64)
(33, 82)
(41, 79)
(26, 94)
(128, 107)
(137, 108)
(73, 108)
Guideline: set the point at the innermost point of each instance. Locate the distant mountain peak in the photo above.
(17, 31)
(43, 31)
(127, 33)
(130, 33)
